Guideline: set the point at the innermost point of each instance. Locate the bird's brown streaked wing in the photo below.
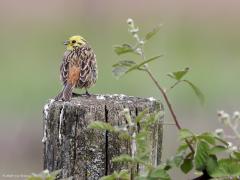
(94, 68)
(87, 61)
(64, 69)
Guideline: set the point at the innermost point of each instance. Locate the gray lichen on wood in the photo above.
(84, 153)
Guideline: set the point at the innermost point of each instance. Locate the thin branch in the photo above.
(168, 104)
(146, 68)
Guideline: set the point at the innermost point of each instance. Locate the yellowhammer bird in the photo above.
(79, 67)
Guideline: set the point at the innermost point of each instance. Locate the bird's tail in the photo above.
(66, 93)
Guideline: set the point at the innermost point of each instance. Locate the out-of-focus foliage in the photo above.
(199, 152)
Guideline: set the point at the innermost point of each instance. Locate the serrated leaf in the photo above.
(197, 91)
(227, 167)
(187, 165)
(101, 126)
(208, 137)
(138, 66)
(217, 149)
(150, 34)
(119, 71)
(178, 75)
(185, 133)
(160, 173)
(123, 158)
(211, 164)
(201, 155)
(122, 49)
(126, 63)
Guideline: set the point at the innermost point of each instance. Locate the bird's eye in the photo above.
(73, 41)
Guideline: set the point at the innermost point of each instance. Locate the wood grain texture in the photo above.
(83, 153)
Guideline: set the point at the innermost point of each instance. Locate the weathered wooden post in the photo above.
(84, 153)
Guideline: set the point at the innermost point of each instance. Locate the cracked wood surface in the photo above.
(83, 153)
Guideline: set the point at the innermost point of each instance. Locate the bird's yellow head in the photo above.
(74, 41)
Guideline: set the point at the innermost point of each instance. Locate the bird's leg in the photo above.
(76, 94)
(87, 93)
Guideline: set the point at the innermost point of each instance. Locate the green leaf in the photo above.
(187, 165)
(143, 146)
(197, 91)
(178, 160)
(101, 126)
(221, 140)
(150, 34)
(119, 71)
(141, 178)
(123, 175)
(126, 63)
(227, 167)
(124, 136)
(110, 177)
(138, 66)
(34, 178)
(217, 149)
(208, 137)
(123, 158)
(160, 173)
(46, 175)
(236, 154)
(175, 160)
(122, 49)
(185, 133)
(211, 164)
(182, 147)
(141, 115)
(201, 155)
(178, 75)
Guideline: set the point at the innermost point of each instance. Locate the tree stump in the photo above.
(83, 153)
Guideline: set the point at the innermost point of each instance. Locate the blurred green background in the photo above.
(202, 35)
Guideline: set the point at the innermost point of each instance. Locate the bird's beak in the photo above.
(66, 42)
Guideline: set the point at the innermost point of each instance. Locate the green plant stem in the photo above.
(175, 84)
(234, 129)
(168, 104)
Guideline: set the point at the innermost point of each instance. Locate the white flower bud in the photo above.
(234, 148)
(46, 171)
(219, 132)
(230, 144)
(134, 31)
(129, 21)
(139, 50)
(220, 113)
(223, 117)
(141, 42)
(125, 110)
(135, 36)
(236, 115)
